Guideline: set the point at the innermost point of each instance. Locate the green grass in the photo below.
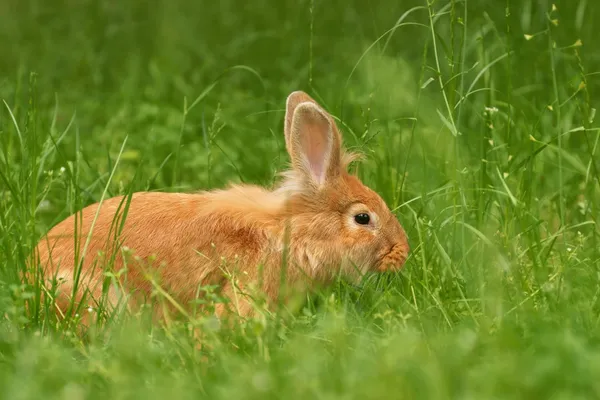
(478, 123)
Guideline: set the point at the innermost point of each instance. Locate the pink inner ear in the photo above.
(315, 144)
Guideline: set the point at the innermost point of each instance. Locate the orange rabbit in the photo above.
(319, 222)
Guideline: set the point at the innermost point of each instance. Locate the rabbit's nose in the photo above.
(394, 260)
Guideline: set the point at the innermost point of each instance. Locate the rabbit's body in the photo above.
(313, 222)
(186, 238)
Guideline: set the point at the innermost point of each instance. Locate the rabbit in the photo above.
(318, 222)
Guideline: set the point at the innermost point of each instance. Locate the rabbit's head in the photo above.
(334, 218)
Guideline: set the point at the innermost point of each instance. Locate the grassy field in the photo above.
(478, 122)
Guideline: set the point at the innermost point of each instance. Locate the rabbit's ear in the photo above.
(293, 100)
(314, 143)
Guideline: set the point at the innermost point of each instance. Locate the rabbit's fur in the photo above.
(188, 240)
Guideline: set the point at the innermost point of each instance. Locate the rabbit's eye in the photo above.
(362, 218)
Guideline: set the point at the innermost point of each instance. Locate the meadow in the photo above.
(478, 124)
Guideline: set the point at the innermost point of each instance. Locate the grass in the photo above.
(478, 122)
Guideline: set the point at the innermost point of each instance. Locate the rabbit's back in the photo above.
(172, 239)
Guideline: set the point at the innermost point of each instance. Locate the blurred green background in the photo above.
(478, 122)
(126, 67)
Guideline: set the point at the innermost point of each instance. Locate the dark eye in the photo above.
(362, 218)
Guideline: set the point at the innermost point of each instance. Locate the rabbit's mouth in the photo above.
(395, 258)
